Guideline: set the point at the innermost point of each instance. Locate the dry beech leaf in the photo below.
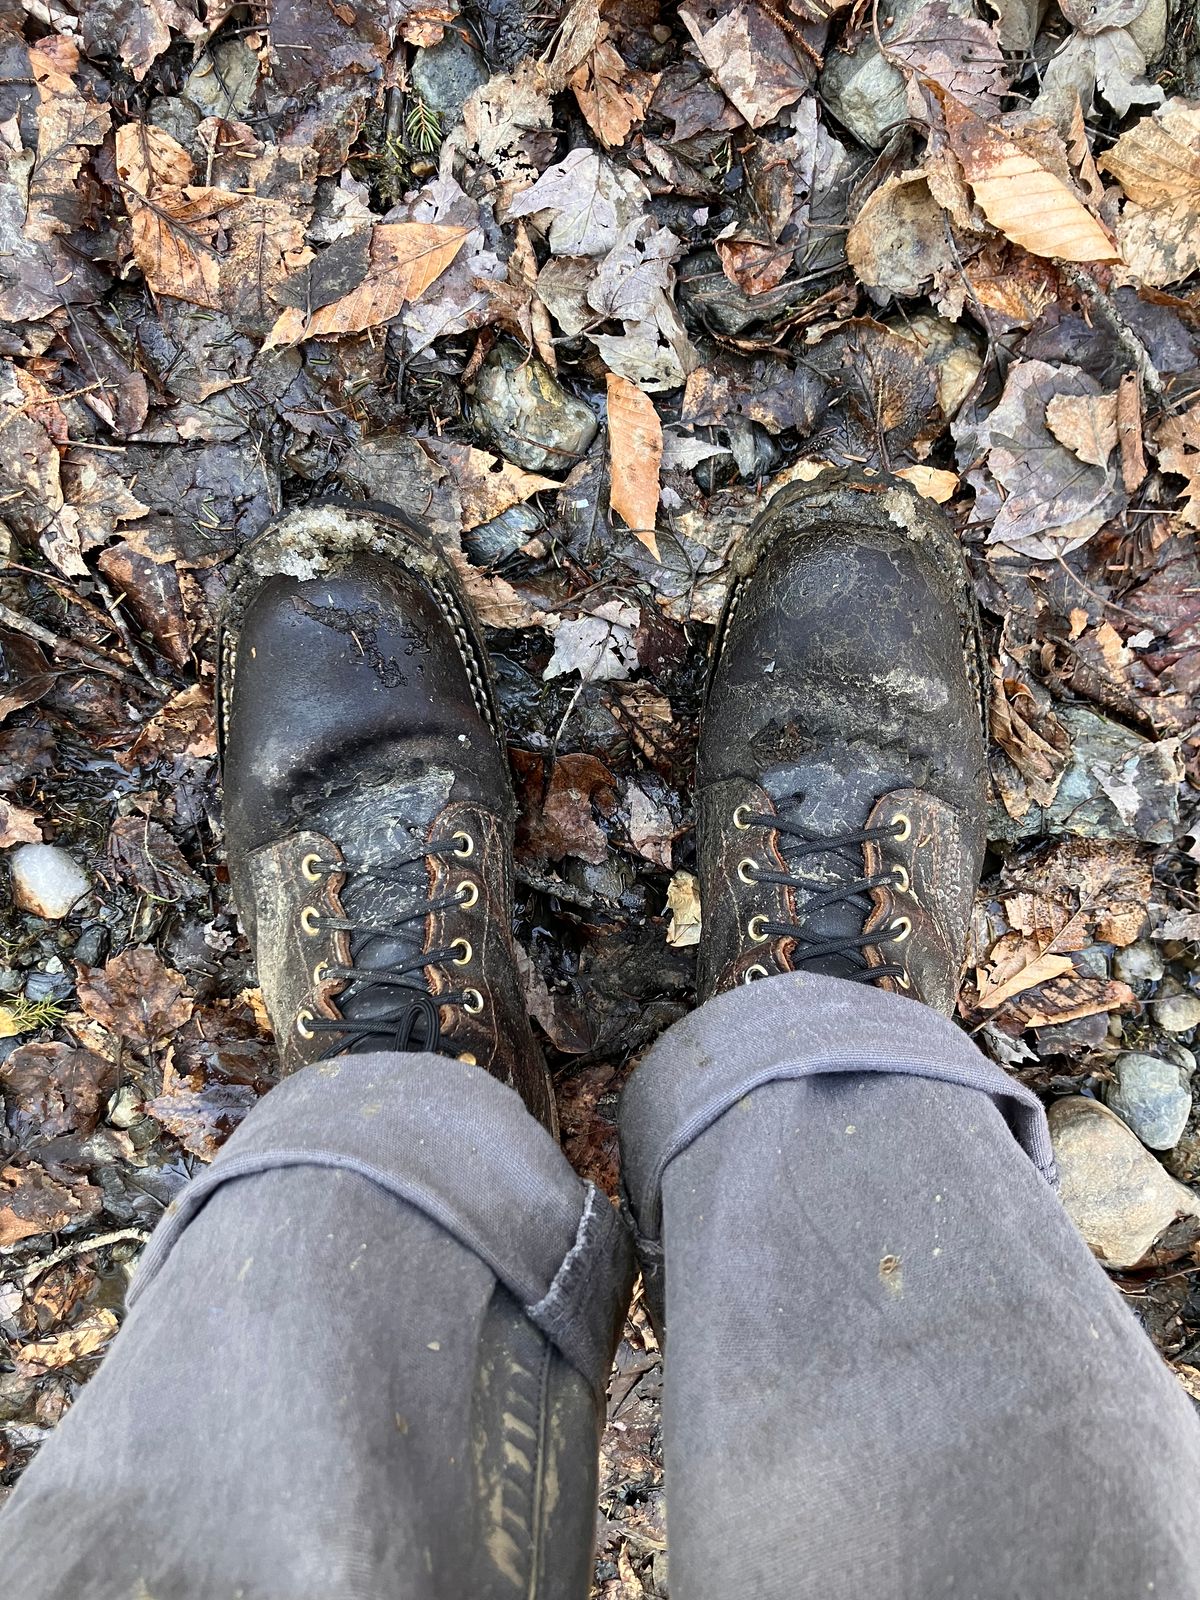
(1021, 197)
(1086, 424)
(931, 483)
(1179, 452)
(635, 444)
(683, 903)
(1157, 163)
(405, 259)
(487, 485)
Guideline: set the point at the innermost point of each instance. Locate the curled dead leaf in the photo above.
(635, 444)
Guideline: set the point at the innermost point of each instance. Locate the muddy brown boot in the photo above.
(368, 806)
(841, 773)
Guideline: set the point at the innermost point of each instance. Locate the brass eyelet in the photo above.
(320, 974)
(468, 894)
(902, 820)
(467, 952)
(900, 877)
(745, 867)
(468, 1058)
(308, 867)
(756, 971)
(904, 927)
(472, 1001)
(468, 845)
(739, 815)
(755, 929)
(302, 1019)
(310, 921)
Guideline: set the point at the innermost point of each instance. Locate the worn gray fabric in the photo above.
(362, 1362)
(893, 1369)
(364, 1351)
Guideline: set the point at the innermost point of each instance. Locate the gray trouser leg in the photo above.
(364, 1361)
(893, 1369)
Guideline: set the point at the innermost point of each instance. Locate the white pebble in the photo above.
(46, 880)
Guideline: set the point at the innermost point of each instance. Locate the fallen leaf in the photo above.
(598, 646)
(1178, 440)
(900, 240)
(635, 443)
(87, 1337)
(751, 57)
(52, 1088)
(202, 1119)
(561, 822)
(487, 485)
(612, 96)
(932, 483)
(32, 1202)
(1086, 424)
(962, 53)
(683, 904)
(18, 826)
(70, 125)
(1023, 969)
(1020, 196)
(135, 996)
(584, 202)
(405, 258)
(172, 229)
(1157, 164)
(651, 827)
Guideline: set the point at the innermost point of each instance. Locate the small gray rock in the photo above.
(46, 881)
(445, 75)
(1115, 1192)
(222, 82)
(864, 90)
(527, 414)
(1138, 963)
(1153, 1097)
(1174, 1013)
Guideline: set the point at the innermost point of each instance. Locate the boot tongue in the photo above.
(818, 803)
(379, 831)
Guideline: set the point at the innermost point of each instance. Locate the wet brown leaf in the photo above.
(52, 1088)
(69, 127)
(18, 826)
(173, 228)
(1178, 441)
(135, 996)
(32, 1202)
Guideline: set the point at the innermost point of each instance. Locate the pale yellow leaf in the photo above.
(931, 483)
(1020, 196)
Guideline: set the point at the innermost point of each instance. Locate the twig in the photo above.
(16, 623)
(81, 1247)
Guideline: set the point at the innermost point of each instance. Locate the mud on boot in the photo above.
(841, 780)
(368, 806)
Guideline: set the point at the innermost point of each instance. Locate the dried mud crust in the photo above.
(315, 541)
(846, 501)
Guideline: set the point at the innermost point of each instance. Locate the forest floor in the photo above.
(585, 284)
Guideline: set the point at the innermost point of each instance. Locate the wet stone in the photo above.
(445, 75)
(1153, 1096)
(1177, 1013)
(46, 881)
(1138, 963)
(520, 406)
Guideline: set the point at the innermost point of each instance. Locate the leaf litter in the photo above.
(585, 302)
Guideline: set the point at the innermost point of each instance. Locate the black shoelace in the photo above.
(414, 1023)
(852, 893)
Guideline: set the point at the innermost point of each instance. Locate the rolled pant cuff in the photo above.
(454, 1142)
(795, 1025)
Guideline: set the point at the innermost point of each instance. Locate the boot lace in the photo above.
(814, 946)
(414, 1022)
